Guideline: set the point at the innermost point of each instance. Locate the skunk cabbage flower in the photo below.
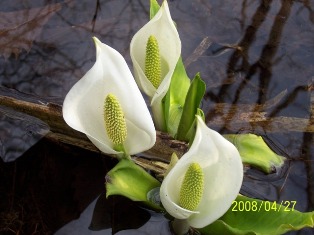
(155, 50)
(108, 107)
(202, 185)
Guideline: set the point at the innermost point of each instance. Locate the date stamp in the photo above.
(258, 206)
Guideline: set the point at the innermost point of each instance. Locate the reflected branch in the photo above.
(265, 62)
(308, 148)
(95, 15)
(271, 48)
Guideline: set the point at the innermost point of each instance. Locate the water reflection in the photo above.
(248, 52)
(47, 187)
(157, 225)
(18, 133)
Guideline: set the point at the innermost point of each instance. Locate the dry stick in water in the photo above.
(155, 158)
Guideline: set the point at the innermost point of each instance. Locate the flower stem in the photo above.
(180, 226)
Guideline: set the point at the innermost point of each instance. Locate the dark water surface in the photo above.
(256, 58)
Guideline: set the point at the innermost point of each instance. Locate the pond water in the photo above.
(256, 57)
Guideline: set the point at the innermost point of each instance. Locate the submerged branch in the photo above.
(60, 132)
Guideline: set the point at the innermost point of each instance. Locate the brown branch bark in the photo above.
(51, 114)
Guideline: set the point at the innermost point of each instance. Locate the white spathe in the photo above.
(83, 107)
(223, 176)
(162, 27)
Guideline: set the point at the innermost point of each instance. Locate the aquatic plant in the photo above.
(198, 190)
(155, 50)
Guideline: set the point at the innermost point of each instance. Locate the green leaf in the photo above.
(154, 7)
(255, 152)
(191, 133)
(200, 113)
(175, 98)
(192, 103)
(248, 216)
(130, 180)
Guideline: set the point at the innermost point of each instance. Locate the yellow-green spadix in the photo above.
(218, 166)
(114, 120)
(152, 62)
(192, 187)
(83, 107)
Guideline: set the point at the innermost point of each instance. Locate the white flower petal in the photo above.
(223, 175)
(83, 105)
(164, 30)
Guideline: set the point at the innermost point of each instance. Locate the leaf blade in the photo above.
(192, 102)
(263, 221)
(154, 8)
(175, 98)
(255, 152)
